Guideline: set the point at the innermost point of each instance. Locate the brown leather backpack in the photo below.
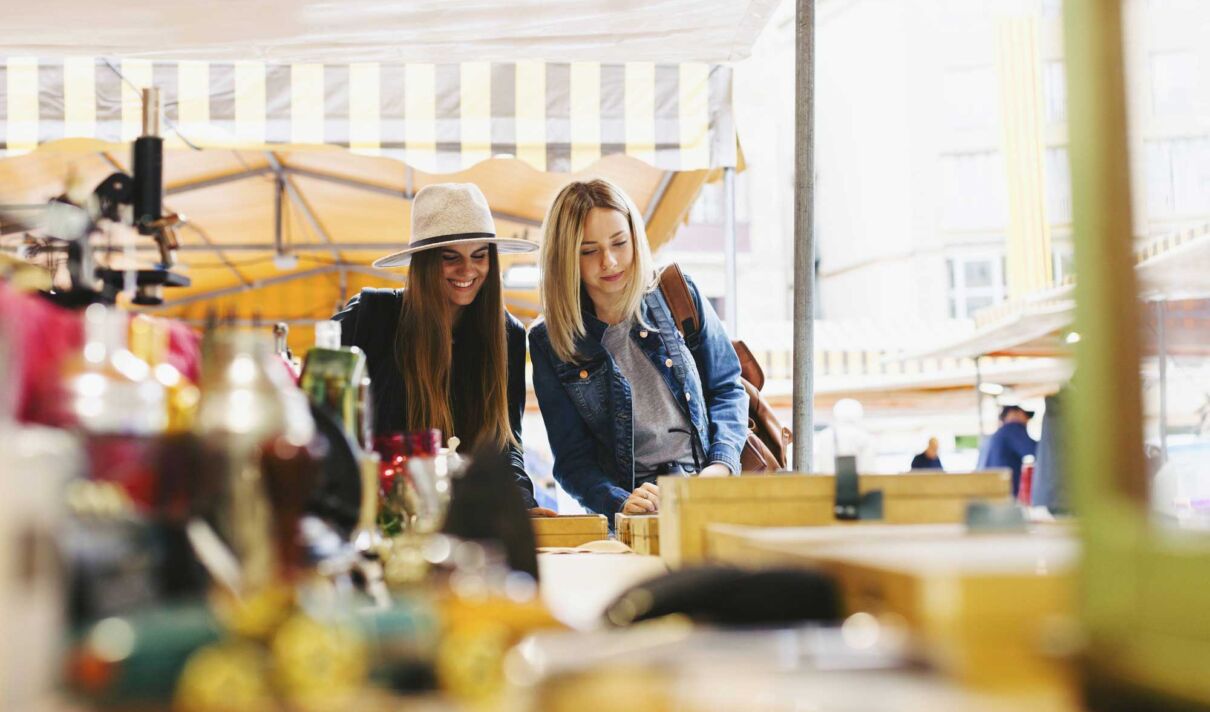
(766, 448)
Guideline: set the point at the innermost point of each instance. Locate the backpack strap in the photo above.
(680, 301)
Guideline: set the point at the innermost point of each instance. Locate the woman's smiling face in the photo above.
(464, 266)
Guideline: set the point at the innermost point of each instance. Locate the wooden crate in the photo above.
(689, 504)
(983, 606)
(641, 532)
(569, 529)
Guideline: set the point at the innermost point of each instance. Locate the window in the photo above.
(1173, 83)
(1178, 177)
(970, 97)
(974, 194)
(1058, 186)
(1054, 92)
(975, 282)
(1052, 8)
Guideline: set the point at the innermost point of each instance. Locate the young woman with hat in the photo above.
(444, 353)
(625, 398)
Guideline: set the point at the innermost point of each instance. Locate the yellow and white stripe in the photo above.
(585, 114)
(476, 124)
(307, 104)
(22, 105)
(137, 75)
(430, 95)
(640, 111)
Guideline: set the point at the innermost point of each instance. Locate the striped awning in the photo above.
(438, 118)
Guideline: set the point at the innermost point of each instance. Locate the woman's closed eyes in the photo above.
(592, 250)
(452, 256)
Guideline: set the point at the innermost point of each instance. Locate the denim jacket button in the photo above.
(688, 396)
(668, 363)
(643, 334)
(583, 374)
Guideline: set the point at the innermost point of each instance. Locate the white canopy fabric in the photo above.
(438, 118)
(391, 31)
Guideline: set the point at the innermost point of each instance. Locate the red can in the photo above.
(1026, 487)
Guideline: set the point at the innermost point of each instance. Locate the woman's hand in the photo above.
(716, 469)
(644, 500)
(542, 512)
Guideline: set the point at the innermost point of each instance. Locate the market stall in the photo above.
(295, 158)
(271, 218)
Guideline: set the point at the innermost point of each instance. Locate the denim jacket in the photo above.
(587, 404)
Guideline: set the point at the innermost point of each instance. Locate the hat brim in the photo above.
(504, 245)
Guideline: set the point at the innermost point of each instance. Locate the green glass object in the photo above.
(332, 377)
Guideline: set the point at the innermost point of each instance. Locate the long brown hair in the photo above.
(437, 374)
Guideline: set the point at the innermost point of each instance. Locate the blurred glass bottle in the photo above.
(149, 342)
(110, 389)
(36, 463)
(332, 377)
(117, 404)
(248, 400)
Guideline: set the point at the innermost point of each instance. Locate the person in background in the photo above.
(444, 353)
(1009, 445)
(624, 396)
(930, 458)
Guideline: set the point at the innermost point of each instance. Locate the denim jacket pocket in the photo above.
(587, 385)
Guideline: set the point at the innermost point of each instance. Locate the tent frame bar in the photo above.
(804, 236)
(296, 198)
(237, 289)
(658, 197)
(276, 167)
(215, 181)
(275, 281)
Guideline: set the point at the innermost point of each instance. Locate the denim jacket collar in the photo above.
(594, 328)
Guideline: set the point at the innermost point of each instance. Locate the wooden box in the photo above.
(569, 529)
(641, 532)
(689, 504)
(983, 606)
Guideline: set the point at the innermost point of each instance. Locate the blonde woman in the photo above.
(625, 398)
(444, 353)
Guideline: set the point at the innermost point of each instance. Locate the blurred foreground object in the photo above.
(35, 465)
(727, 595)
(43, 337)
(247, 402)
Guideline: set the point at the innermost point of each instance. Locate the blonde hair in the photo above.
(435, 375)
(563, 234)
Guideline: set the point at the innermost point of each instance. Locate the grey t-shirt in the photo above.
(662, 433)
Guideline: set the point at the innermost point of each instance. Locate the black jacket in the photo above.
(370, 320)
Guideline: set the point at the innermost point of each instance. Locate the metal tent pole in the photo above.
(804, 236)
(731, 290)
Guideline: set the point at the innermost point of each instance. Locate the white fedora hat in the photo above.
(446, 213)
